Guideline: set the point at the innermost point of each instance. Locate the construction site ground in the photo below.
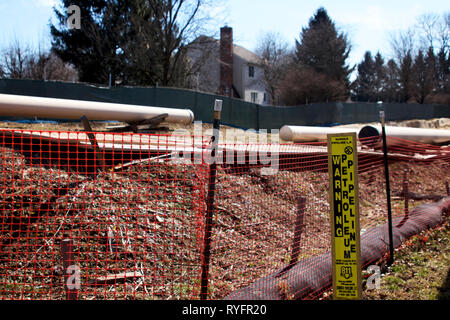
(244, 242)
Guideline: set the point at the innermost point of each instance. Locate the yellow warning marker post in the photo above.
(344, 208)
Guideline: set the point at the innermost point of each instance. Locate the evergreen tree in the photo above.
(443, 59)
(370, 81)
(94, 49)
(406, 78)
(143, 64)
(138, 42)
(425, 75)
(391, 92)
(432, 71)
(380, 77)
(421, 85)
(323, 48)
(323, 51)
(365, 80)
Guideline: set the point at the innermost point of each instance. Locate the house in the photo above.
(227, 69)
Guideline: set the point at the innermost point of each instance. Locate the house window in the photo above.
(251, 71)
(254, 97)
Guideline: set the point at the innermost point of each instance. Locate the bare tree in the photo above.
(180, 22)
(444, 27)
(426, 24)
(434, 30)
(202, 67)
(48, 66)
(403, 43)
(22, 62)
(137, 42)
(423, 77)
(276, 56)
(14, 60)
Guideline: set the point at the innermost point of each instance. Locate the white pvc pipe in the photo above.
(27, 106)
(310, 134)
(428, 136)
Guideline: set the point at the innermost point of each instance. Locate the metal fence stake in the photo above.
(210, 205)
(388, 189)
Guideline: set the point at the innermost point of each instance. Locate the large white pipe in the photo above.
(429, 136)
(27, 106)
(310, 134)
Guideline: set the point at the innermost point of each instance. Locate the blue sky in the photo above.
(368, 24)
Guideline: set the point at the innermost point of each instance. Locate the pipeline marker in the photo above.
(344, 208)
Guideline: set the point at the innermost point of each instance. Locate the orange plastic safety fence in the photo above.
(132, 207)
(134, 220)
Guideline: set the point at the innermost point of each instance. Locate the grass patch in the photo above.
(421, 269)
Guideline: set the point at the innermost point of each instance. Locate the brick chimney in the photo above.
(226, 61)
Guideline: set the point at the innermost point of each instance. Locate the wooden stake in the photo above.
(93, 140)
(405, 194)
(70, 269)
(298, 230)
(297, 236)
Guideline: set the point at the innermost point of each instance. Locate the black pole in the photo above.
(388, 189)
(210, 205)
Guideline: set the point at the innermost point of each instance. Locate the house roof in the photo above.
(240, 51)
(246, 55)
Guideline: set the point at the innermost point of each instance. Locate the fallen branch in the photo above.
(418, 196)
(115, 278)
(141, 161)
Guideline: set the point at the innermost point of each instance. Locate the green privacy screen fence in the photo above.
(235, 112)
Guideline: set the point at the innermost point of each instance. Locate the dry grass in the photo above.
(421, 269)
(148, 210)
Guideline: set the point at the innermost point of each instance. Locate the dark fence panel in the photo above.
(236, 112)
